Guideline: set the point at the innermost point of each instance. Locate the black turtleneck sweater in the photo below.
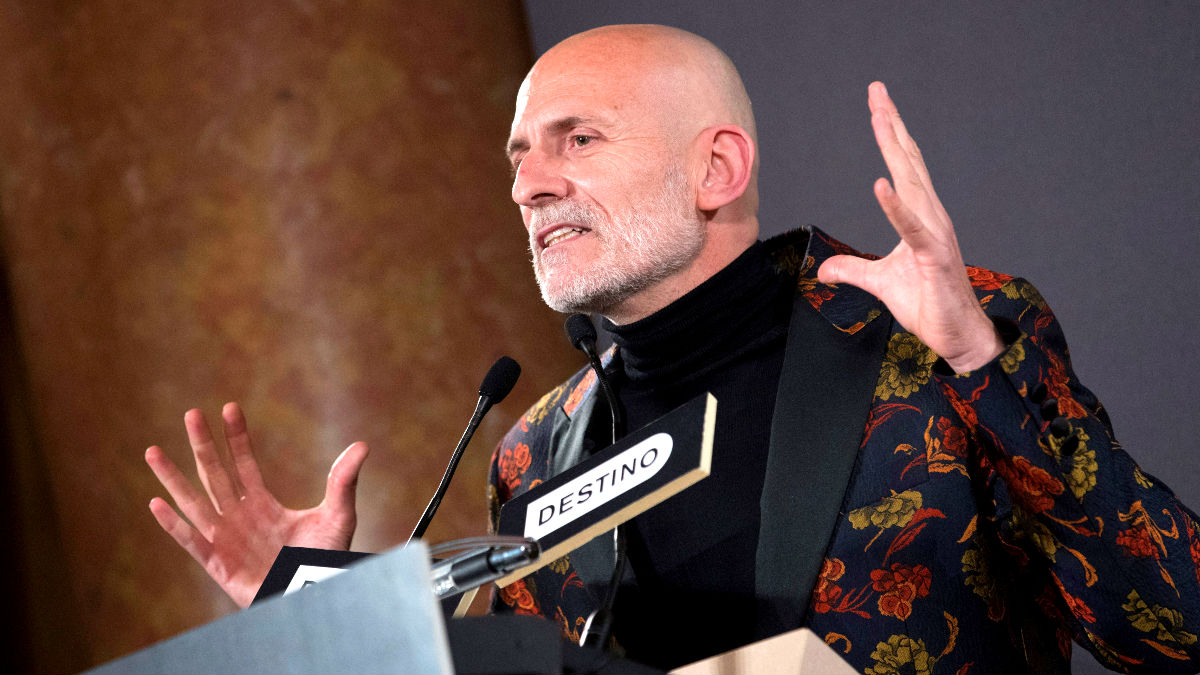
(689, 592)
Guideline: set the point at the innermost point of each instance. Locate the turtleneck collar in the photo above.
(737, 310)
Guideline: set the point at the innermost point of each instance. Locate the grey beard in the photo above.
(639, 249)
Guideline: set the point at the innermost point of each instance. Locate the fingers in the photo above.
(238, 440)
(213, 473)
(194, 507)
(343, 479)
(185, 535)
(909, 202)
(879, 100)
(910, 179)
(906, 223)
(905, 162)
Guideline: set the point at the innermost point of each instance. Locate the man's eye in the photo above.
(582, 140)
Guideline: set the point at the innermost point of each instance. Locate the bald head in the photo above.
(691, 82)
(634, 161)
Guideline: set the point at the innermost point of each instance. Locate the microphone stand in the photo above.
(598, 628)
(496, 385)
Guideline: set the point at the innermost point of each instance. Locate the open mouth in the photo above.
(560, 234)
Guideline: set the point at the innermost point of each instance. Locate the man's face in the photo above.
(602, 188)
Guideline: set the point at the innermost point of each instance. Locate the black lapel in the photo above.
(824, 397)
(594, 560)
(567, 435)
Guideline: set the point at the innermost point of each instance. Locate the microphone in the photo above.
(582, 334)
(492, 558)
(598, 628)
(496, 385)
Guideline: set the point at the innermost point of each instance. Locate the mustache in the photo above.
(569, 212)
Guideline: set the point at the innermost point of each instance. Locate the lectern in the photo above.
(380, 617)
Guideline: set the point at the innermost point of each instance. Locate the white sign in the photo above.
(598, 486)
(310, 574)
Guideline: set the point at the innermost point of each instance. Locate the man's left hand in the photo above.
(923, 280)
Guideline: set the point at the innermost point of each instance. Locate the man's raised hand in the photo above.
(238, 528)
(922, 281)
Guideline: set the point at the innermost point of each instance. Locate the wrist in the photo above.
(985, 347)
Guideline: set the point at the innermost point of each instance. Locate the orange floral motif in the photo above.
(513, 463)
(899, 586)
(841, 248)
(1145, 538)
(518, 596)
(965, 412)
(568, 631)
(818, 296)
(985, 279)
(1056, 387)
(1193, 545)
(827, 592)
(1046, 601)
(1137, 542)
(1077, 606)
(954, 438)
(1033, 487)
(585, 385)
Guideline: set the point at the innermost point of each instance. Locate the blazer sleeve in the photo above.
(1119, 552)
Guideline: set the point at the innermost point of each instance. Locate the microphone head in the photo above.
(580, 329)
(500, 379)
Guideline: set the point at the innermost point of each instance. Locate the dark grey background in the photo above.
(1063, 139)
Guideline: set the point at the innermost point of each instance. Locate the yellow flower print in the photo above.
(1011, 359)
(1041, 537)
(1165, 623)
(561, 565)
(545, 404)
(898, 509)
(788, 260)
(906, 366)
(895, 510)
(1081, 472)
(980, 580)
(1019, 289)
(900, 654)
(1079, 468)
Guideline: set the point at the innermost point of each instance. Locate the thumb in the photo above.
(343, 478)
(844, 269)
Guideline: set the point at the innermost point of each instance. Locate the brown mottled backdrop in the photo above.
(302, 206)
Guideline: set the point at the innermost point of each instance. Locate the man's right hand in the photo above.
(239, 529)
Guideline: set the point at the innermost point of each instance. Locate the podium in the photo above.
(379, 617)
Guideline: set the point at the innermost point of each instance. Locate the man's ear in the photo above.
(728, 153)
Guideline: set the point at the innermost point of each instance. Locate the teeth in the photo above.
(561, 234)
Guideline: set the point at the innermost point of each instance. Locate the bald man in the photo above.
(905, 461)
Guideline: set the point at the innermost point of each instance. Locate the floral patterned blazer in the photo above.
(923, 521)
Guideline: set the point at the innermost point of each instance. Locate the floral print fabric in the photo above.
(993, 517)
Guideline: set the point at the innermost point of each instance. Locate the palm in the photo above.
(922, 281)
(238, 527)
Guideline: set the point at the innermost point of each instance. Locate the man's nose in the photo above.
(539, 181)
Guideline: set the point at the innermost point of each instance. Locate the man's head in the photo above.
(633, 150)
